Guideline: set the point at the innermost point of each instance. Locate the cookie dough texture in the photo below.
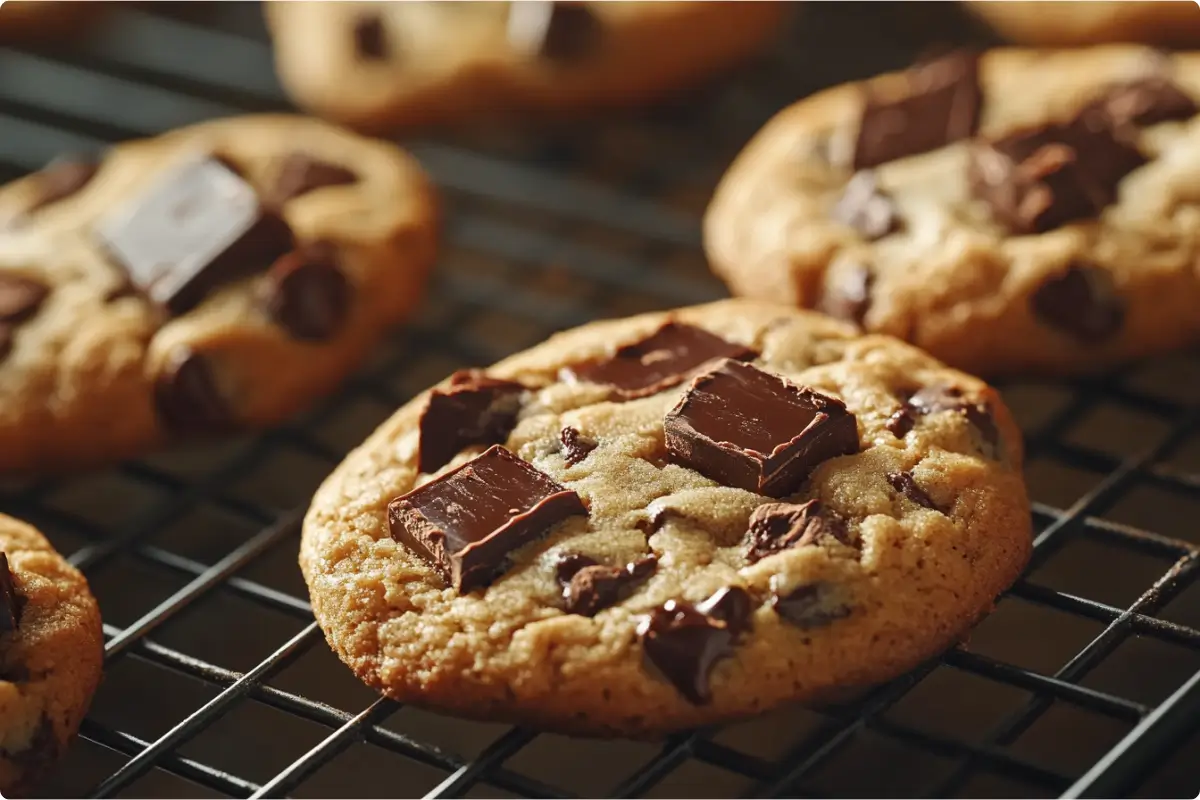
(948, 277)
(51, 666)
(1051, 22)
(78, 385)
(915, 580)
(379, 65)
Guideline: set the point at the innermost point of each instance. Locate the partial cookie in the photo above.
(669, 520)
(1080, 22)
(378, 65)
(218, 277)
(1029, 211)
(51, 654)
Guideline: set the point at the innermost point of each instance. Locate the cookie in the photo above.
(669, 520)
(1081, 22)
(51, 654)
(215, 278)
(1026, 211)
(380, 65)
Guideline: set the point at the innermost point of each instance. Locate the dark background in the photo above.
(192, 554)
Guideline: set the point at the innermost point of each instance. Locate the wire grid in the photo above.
(218, 682)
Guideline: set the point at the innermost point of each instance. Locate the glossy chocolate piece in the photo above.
(906, 484)
(307, 294)
(812, 605)
(472, 409)
(938, 398)
(188, 398)
(590, 587)
(775, 527)
(198, 227)
(754, 430)
(663, 359)
(466, 522)
(575, 446)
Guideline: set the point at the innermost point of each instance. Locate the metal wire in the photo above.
(546, 232)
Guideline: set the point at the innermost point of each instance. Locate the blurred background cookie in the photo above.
(1062, 22)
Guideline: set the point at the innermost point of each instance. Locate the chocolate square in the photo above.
(466, 522)
(197, 227)
(754, 430)
(661, 360)
(472, 409)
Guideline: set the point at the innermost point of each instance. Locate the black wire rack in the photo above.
(1084, 682)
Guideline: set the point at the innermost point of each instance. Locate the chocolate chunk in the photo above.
(466, 522)
(754, 430)
(847, 294)
(661, 360)
(1081, 302)
(812, 605)
(301, 173)
(1144, 102)
(20, 297)
(1040, 179)
(370, 38)
(188, 397)
(559, 32)
(940, 105)
(307, 294)
(941, 397)
(62, 178)
(473, 409)
(11, 603)
(901, 422)
(865, 207)
(576, 446)
(199, 227)
(589, 587)
(685, 641)
(904, 483)
(775, 527)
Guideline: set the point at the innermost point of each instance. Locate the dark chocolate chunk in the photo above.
(20, 297)
(472, 409)
(904, 483)
(199, 227)
(865, 207)
(556, 31)
(812, 605)
(685, 641)
(774, 527)
(847, 294)
(1148, 101)
(576, 446)
(662, 360)
(941, 397)
(466, 522)
(1081, 302)
(301, 173)
(754, 430)
(307, 294)
(589, 587)
(62, 178)
(370, 38)
(940, 105)
(188, 397)
(901, 422)
(10, 601)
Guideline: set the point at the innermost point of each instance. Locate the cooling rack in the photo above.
(1084, 682)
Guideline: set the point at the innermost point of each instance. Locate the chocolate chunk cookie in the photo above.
(379, 65)
(215, 278)
(749, 527)
(1082, 22)
(51, 654)
(1021, 211)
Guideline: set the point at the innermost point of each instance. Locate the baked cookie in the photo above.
(51, 654)
(217, 277)
(1081, 22)
(669, 520)
(378, 65)
(1023, 211)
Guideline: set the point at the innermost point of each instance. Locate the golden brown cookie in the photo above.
(218, 277)
(1026, 211)
(379, 65)
(669, 520)
(1082, 22)
(51, 654)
